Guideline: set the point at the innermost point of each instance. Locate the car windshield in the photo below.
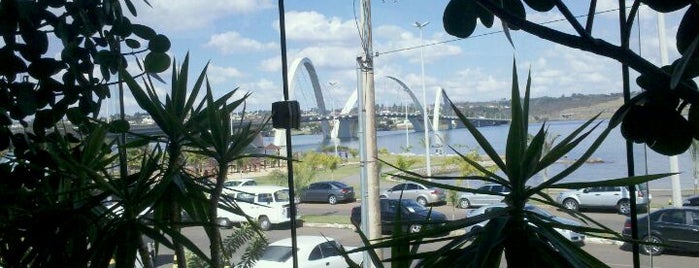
(281, 195)
(339, 184)
(411, 205)
(232, 183)
(276, 253)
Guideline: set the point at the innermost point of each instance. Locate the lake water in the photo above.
(612, 152)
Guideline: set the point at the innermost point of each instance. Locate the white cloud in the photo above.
(312, 26)
(563, 70)
(480, 86)
(233, 42)
(264, 92)
(273, 64)
(220, 75)
(181, 15)
(330, 57)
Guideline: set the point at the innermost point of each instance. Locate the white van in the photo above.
(268, 204)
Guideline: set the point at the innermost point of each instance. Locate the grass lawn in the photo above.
(339, 219)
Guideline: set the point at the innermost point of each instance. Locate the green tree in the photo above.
(62, 163)
(305, 171)
(354, 152)
(384, 151)
(404, 163)
(225, 145)
(53, 171)
(333, 162)
(179, 117)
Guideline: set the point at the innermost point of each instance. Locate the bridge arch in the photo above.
(441, 102)
(296, 65)
(340, 127)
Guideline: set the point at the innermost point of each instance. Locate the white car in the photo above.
(239, 182)
(267, 204)
(616, 197)
(466, 200)
(545, 215)
(423, 194)
(313, 251)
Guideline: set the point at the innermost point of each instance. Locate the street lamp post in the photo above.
(428, 165)
(405, 124)
(332, 85)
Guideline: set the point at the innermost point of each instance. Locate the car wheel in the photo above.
(474, 232)
(332, 199)
(654, 250)
(464, 203)
(422, 201)
(414, 228)
(264, 223)
(571, 204)
(624, 207)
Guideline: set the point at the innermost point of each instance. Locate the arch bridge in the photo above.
(345, 124)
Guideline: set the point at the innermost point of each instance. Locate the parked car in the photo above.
(267, 204)
(414, 217)
(674, 228)
(424, 195)
(692, 201)
(573, 236)
(466, 200)
(239, 182)
(616, 197)
(327, 191)
(312, 251)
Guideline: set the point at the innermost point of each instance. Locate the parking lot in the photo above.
(614, 254)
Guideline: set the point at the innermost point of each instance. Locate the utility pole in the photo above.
(366, 65)
(674, 165)
(425, 117)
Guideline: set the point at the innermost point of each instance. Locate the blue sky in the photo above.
(240, 38)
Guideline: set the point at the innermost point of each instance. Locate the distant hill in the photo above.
(573, 107)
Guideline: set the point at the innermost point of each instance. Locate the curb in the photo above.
(603, 241)
(328, 225)
(588, 240)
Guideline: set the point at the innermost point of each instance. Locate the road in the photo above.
(615, 255)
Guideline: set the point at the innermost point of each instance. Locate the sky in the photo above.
(240, 40)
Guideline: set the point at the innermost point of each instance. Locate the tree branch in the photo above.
(590, 16)
(571, 19)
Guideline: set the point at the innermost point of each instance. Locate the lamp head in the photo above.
(421, 25)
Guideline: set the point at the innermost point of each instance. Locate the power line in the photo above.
(376, 54)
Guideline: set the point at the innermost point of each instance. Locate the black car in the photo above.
(327, 191)
(692, 201)
(413, 216)
(674, 228)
